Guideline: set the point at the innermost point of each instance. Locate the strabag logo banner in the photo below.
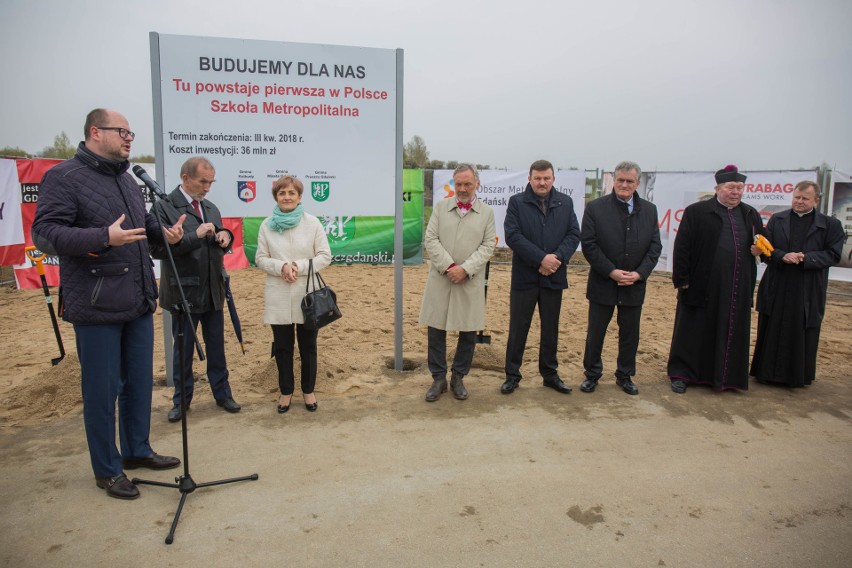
(259, 106)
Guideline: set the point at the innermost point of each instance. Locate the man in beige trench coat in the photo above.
(460, 238)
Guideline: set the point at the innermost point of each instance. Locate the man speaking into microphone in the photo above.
(91, 213)
(199, 260)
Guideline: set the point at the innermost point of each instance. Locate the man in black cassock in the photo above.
(714, 273)
(791, 296)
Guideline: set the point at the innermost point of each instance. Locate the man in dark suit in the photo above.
(199, 261)
(791, 296)
(621, 241)
(542, 231)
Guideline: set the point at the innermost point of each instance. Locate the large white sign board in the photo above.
(261, 109)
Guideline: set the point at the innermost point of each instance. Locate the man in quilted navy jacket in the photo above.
(91, 214)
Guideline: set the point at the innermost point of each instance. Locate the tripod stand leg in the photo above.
(170, 538)
(252, 477)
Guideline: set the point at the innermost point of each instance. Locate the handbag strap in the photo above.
(315, 277)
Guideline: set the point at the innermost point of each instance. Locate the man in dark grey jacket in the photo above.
(92, 214)
(199, 260)
(621, 241)
(542, 231)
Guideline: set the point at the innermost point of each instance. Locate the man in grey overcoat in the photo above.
(460, 239)
(620, 237)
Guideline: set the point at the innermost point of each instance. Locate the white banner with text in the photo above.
(497, 186)
(259, 110)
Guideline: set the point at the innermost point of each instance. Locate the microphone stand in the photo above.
(184, 483)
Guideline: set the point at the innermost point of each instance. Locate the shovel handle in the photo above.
(37, 258)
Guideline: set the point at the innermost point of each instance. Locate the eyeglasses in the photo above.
(122, 132)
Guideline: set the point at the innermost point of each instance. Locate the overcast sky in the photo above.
(673, 85)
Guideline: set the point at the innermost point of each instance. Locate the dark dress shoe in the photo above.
(679, 386)
(509, 386)
(175, 414)
(311, 407)
(557, 385)
(282, 409)
(118, 486)
(434, 393)
(154, 461)
(627, 385)
(589, 385)
(457, 386)
(229, 404)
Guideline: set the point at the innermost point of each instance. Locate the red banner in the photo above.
(30, 173)
(238, 258)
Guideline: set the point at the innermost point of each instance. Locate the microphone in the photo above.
(140, 172)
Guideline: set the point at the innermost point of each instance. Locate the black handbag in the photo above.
(320, 306)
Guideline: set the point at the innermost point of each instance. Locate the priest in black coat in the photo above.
(714, 273)
(791, 296)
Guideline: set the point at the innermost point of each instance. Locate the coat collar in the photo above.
(179, 202)
(554, 198)
(637, 201)
(820, 222)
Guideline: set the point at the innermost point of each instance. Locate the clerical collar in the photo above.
(720, 204)
(803, 214)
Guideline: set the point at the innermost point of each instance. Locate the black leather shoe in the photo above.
(438, 387)
(118, 486)
(312, 407)
(175, 414)
(282, 408)
(154, 461)
(509, 386)
(557, 385)
(679, 386)
(627, 385)
(229, 404)
(457, 386)
(589, 385)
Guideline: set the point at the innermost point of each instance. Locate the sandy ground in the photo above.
(378, 477)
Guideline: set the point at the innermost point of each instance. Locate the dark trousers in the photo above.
(284, 338)
(213, 332)
(437, 339)
(521, 307)
(628, 339)
(117, 363)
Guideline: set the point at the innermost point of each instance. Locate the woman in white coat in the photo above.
(286, 242)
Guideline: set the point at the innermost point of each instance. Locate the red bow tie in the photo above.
(464, 206)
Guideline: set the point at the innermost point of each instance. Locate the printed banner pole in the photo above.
(159, 158)
(397, 231)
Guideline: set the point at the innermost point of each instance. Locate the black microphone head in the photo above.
(139, 170)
